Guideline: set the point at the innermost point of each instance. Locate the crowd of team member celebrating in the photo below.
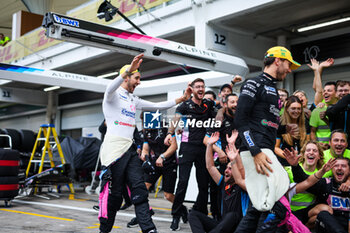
(276, 163)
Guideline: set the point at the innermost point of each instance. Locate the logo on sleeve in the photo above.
(123, 97)
(248, 138)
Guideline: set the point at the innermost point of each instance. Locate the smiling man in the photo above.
(320, 131)
(232, 195)
(338, 144)
(119, 159)
(193, 113)
(342, 88)
(328, 191)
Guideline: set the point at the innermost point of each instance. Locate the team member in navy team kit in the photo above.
(257, 121)
(234, 199)
(227, 126)
(118, 152)
(163, 160)
(196, 110)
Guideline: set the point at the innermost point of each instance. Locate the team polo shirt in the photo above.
(327, 155)
(155, 139)
(231, 198)
(226, 129)
(195, 119)
(323, 133)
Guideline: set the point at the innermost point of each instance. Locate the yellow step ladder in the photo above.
(47, 133)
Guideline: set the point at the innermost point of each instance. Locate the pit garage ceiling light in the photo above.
(51, 88)
(108, 75)
(325, 24)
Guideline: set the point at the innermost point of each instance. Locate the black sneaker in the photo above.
(184, 215)
(125, 206)
(133, 223)
(175, 224)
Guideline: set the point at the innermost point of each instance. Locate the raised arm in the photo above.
(237, 175)
(151, 106)
(209, 160)
(231, 141)
(236, 79)
(313, 179)
(317, 83)
(220, 152)
(236, 163)
(135, 64)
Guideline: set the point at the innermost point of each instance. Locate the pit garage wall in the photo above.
(80, 117)
(30, 122)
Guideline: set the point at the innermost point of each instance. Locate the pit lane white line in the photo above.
(85, 209)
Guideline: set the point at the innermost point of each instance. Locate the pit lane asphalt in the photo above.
(32, 214)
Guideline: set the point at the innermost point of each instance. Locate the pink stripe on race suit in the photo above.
(129, 192)
(103, 202)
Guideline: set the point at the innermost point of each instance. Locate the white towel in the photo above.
(264, 190)
(113, 147)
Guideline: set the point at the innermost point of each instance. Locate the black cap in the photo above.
(224, 86)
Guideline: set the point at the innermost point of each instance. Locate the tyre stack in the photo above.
(9, 167)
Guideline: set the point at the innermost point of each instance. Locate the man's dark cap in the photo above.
(224, 86)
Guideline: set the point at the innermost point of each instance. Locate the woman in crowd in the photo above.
(293, 114)
(304, 204)
(304, 100)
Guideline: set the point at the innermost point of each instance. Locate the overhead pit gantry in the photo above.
(69, 29)
(87, 33)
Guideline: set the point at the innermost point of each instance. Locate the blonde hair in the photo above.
(320, 152)
(286, 119)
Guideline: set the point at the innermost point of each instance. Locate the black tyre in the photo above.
(9, 162)
(4, 141)
(9, 187)
(27, 139)
(16, 138)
